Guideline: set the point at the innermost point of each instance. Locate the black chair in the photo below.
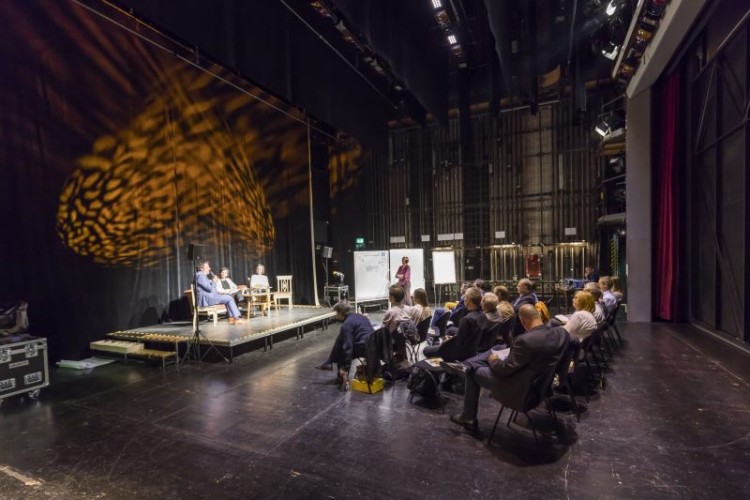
(539, 390)
(587, 350)
(412, 344)
(612, 326)
(378, 348)
(489, 338)
(564, 373)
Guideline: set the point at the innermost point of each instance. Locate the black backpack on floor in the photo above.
(423, 380)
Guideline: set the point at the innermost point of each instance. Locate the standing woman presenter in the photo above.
(403, 275)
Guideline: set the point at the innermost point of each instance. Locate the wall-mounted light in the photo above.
(436, 4)
(452, 39)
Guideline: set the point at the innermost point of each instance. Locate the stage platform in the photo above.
(233, 340)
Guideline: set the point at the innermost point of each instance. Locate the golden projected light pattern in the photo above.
(176, 169)
(343, 166)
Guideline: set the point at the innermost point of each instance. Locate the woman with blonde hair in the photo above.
(581, 323)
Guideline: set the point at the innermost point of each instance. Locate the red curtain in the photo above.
(667, 220)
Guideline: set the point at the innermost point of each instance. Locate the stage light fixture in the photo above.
(610, 51)
(452, 39)
(602, 128)
(611, 8)
(436, 4)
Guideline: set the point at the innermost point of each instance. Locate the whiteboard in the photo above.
(416, 262)
(444, 266)
(371, 275)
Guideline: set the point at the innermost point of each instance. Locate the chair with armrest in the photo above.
(207, 311)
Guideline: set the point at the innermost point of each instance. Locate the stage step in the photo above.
(116, 346)
(134, 350)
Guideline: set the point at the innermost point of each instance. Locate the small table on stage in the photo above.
(260, 297)
(334, 293)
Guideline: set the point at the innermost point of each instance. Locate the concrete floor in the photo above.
(673, 421)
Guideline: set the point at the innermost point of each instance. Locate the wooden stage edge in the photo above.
(230, 339)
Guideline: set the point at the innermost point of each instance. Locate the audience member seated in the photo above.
(489, 308)
(259, 280)
(503, 295)
(526, 295)
(582, 322)
(532, 354)
(464, 344)
(454, 307)
(421, 306)
(616, 289)
(610, 301)
(226, 286)
(481, 285)
(208, 296)
(590, 274)
(596, 293)
(351, 341)
(398, 313)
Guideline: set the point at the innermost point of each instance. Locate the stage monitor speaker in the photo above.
(195, 252)
(326, 252)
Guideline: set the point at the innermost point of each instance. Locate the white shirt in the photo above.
(581, 324)
(397, 314)
(610, 301)
(259, 281)
(220, 286)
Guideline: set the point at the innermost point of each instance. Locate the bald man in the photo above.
(531, 355)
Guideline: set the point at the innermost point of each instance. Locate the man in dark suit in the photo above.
(351, 342)
(526, 295)
(532, 354)
(464, 344)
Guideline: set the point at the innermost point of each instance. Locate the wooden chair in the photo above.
(283, 290)
(208, 311)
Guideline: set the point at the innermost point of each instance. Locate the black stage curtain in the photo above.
(115, 154)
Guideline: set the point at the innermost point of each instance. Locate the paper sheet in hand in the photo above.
(562, 318)
(503, 354)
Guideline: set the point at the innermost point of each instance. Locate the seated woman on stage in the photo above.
(226, 286)
(206, 294)
(259, 280)
(421, 306)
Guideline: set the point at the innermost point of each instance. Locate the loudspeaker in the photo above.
(195, 252)
(326, 252)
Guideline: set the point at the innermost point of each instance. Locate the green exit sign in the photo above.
(359, 241)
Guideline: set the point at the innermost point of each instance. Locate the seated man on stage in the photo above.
(355, 330)
(259, 280)
(208, 296)
(532, 354)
